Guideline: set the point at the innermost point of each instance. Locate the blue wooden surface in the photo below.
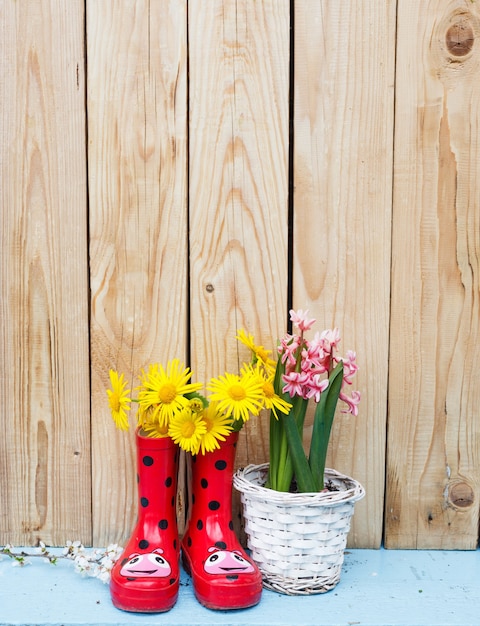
(378, 588)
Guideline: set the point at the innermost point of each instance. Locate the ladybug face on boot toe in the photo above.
(150, 565)
(227, 562)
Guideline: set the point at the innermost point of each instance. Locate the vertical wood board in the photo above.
(44, 390)
(343, 147)
(138, 217)
(433, 476)
(238, 121)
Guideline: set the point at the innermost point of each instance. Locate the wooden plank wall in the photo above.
(137, 154)
(238, 231)
(433, 472)
(343, 154)
(159, 190)
(45, 473)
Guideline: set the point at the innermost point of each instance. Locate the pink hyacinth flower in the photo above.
(352, 402)
(287, 348)
(349, 367)
(330, 339)
(314, 357)
(300, 320)
(316, 386)
(294, 383)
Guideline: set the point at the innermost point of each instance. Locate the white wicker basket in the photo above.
(297, 539)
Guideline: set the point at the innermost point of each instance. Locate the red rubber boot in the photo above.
(223, 575)
(146, 577)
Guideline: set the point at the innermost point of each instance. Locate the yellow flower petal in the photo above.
(119, 400)
(162, 392)
(218, 426)
(237, 396)
(186, 429)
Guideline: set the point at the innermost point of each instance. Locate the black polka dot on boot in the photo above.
(214, 505)
(147, 460)
(220, 465)
(144, 502)
(143, 544)
(163, 524)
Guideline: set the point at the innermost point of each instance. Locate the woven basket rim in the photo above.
(250, 481)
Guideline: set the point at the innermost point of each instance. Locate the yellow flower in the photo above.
(260, 353)
(119, 400)
(186, 429)
(144, 417)
(163, 391)
(237, 396)
(218, 427)
(154, 430)
(196, 405)
(272, 400)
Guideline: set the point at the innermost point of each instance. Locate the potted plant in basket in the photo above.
(297, 513)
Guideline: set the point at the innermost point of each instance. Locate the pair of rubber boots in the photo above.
(146, 577)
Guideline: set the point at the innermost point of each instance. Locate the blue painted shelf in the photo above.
(378, 588)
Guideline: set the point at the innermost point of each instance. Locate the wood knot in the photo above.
(461, 495)
(460, 37)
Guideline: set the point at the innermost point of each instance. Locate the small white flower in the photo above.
(73, 548)
(104, 576)
(114, 550)
(97, 563)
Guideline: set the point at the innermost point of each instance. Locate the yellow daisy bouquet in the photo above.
(170, 405)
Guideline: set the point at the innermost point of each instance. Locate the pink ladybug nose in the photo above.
(223, 562)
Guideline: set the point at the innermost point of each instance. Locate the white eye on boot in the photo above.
(216, 559)
(240, 559)
(158, 561)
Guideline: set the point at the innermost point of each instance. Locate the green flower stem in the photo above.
(237, 425)
(299, 411)
(322, 425)
(303, 474)
(286, 469)
(284, 473)
(277, 436)
(281, 462)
